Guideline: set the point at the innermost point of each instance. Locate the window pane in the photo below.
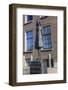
(29, 17)
(29, 34)
(45, 45)
(49, 46)
(30, 41)
(46, 30)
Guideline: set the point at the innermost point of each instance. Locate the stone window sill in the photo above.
(45, 50)
(26, 52)
(28, 22)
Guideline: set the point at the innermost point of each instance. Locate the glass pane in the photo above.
(49, 46)
(29, 34)
(46, 42)
(31, 41)
(29, 17)
(49, 37)
(28, 46)
(49, 41)
(44, 45)
(46, 30)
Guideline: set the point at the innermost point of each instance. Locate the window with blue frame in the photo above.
(29, 17)
(46, 36)
(29, 40)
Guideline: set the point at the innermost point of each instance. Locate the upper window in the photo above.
(46, 36)
(29, 40)
(28, 18)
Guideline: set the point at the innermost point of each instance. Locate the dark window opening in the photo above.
(29, 17)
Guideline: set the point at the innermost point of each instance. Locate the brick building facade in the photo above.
(47, 54)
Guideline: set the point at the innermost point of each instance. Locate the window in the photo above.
(29, 40)
(46, 36)
(28, 18)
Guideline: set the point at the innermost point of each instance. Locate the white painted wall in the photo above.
(4, 47)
